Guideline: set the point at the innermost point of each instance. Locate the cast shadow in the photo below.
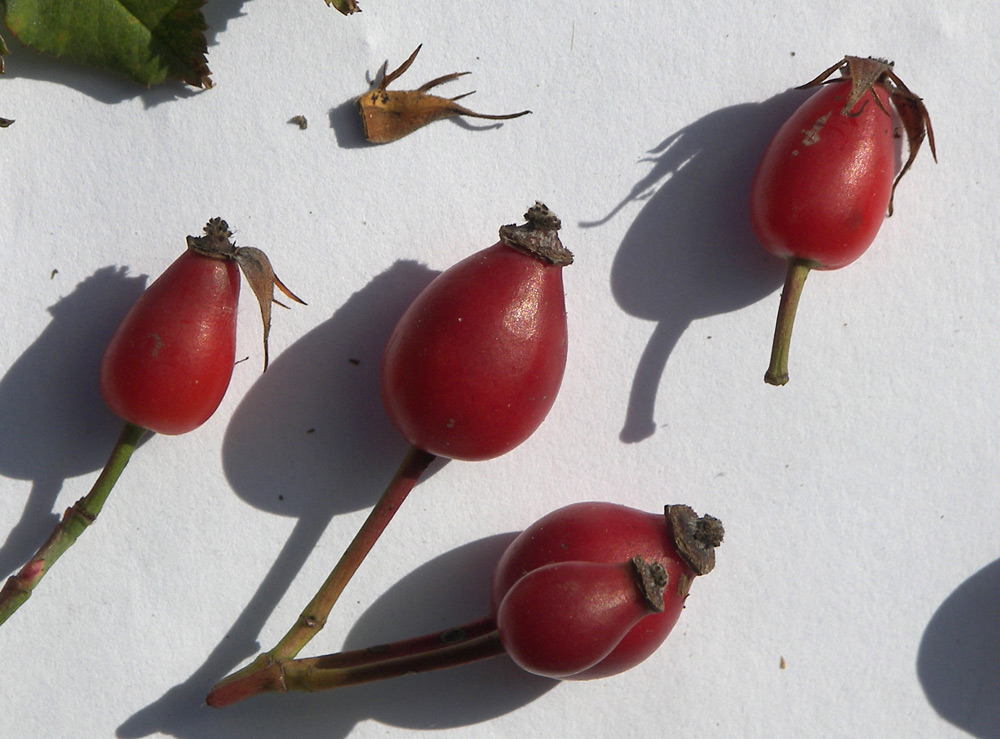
(345, 120)
(309, 440)
(690, 253)
(53, 421)
(958, 662)
(449, 590)
(107, 87)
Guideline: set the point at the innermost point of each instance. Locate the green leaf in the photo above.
(148, 41)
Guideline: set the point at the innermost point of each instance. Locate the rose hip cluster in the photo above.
(470, 371)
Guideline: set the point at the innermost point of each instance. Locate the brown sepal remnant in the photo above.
(695, 538)
(256, 267)
(864, 74)
(346, 7)
(652, 579)
(539, 237)
(388, 115)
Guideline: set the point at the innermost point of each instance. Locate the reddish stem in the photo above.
(313, 618)
(261, 674)
(450, 648)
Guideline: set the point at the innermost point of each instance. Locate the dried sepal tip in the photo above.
(864, 74)
(538, 236)
(388, 115)
(256, 267)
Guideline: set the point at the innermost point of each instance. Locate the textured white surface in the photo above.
(860, 500)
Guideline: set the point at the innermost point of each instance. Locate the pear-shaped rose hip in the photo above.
(474, 364)
(166, 369)
(826, 181)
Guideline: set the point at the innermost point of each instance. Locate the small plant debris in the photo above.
(388, 115)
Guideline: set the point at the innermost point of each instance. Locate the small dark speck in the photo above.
(793, 53)
(355, 362)
(300, 121)
(281, 497)
(708, 337)
(311, 431)
(53, 273)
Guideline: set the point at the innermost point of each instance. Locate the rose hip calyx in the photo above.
(695, 537)
(539, 237)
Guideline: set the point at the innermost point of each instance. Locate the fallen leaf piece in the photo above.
(345, 6)
(388, 115)
(4, 122)
(300, 121)
(148, 41)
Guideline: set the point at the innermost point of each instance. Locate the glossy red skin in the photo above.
(822, 188)
(169, 363)
(609, 533)
(474, 365)
(562, 619)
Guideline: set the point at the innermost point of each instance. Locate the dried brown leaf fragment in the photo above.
(388, 115)
(346, 7)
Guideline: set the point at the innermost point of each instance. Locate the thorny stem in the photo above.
(74, 522)
(450, 648)
(313, 617)
(795, 279)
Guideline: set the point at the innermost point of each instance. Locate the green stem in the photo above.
(313, 617)
(457, 646)
(74, 522)
(795, 279)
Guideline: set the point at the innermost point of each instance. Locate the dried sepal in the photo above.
(388, 115)
(864, 74)
(695, 537)
(917, 124)
(539, 236)
(652, 579)
(346, 7)
(256, 267)
(4, 122)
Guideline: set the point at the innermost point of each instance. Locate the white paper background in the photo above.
(860, 500)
